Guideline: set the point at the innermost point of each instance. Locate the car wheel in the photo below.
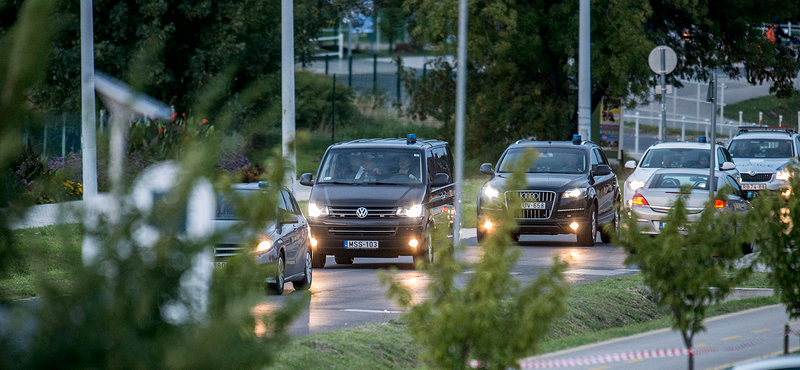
(605, 237)
(305, 283)
(587, 234)
(481, 235)
(318, 260)
(343, 260)
(428, 256)
(515, 237)
(280, 278)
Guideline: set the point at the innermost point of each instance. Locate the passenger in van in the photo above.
(366, 168)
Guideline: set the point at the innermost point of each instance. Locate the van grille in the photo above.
(548, 197)
(372, 212)
(226, 250)
(366, 232)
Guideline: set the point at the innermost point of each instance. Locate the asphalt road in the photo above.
(348, 295)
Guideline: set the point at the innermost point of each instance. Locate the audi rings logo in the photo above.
(361, 212)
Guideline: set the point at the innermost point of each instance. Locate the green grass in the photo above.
(47, 253)
(772, 108)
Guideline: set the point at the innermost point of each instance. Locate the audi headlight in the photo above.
(783, 175)
(413, 211)
(635, 185)
(575, 193)
(490, 192)
(316, 211)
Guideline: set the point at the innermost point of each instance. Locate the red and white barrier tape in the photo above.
(631, 355)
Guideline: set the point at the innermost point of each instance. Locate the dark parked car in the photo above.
(571, 190)
(379, 198)
(284, 242)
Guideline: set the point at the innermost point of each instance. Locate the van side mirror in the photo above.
(727, 166)
(602, 170)
(486, 168)
(307, 179)
(441, 179)
(630, 164)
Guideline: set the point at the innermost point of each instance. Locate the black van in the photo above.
(379, 198)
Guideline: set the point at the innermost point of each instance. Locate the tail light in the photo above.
(719, 203)
(638, 200)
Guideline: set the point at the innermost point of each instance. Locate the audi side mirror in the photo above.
(486, 168)
(602, 170)
(441, 179)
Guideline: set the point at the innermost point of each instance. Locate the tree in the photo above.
(688, 265)
(491, 318)
(393, 21)
(522, 57)
(172, 49)
(778, 240)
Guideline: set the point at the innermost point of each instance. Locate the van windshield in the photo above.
(373, 165)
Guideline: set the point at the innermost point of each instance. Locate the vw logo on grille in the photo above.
(752, 173)
(361, 212)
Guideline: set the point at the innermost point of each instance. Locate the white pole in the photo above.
(287, 90)
(760, 117)
(740, 118)
(88, 135)
(780, 120)
(683, 128)
(798, 121)
(377, 32)
(663, 132)
(722, 88)
(636, 135)
(341, 48)
(620, 147)
(713, 163)
(584, 72)
(461, 89)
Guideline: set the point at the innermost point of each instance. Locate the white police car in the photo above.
(762, 154)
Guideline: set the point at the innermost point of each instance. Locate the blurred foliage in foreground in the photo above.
(491, 317)
(148, 298)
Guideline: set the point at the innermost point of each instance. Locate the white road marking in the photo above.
(370, 311)
(600, 272)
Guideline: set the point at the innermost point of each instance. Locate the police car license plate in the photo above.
(361, 244)
(533, 205)
(746, 186)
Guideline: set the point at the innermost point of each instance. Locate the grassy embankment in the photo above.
(597, 311)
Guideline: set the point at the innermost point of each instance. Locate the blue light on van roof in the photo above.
(263, 184)
(576, 139)
(411, 138)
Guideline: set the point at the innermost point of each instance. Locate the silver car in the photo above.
(652, 202)
(284, 243)
(674, 155)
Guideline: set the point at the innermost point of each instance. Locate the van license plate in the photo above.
(533, 205)
(219, 265)
(746, 186)
(361, 244)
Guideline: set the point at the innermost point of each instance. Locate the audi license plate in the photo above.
(533, 205)
(747, 186)
(361, 244)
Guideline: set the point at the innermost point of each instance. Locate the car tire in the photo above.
(318, 260)
(276, 288)
(305, 283)
(605, 237)
(481, 235)
(515, 237)
(428, 256)
(343, 260)
(588, 233)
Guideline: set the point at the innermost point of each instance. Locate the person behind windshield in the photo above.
(573, 163)
(404, 168)
(703, 161)
(366, 168)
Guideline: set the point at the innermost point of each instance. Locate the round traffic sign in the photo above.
(670, 59)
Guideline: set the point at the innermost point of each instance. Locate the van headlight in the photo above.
(316, 211)
(413, 211)
(783, 175)
(575, 193)
(264, 246)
